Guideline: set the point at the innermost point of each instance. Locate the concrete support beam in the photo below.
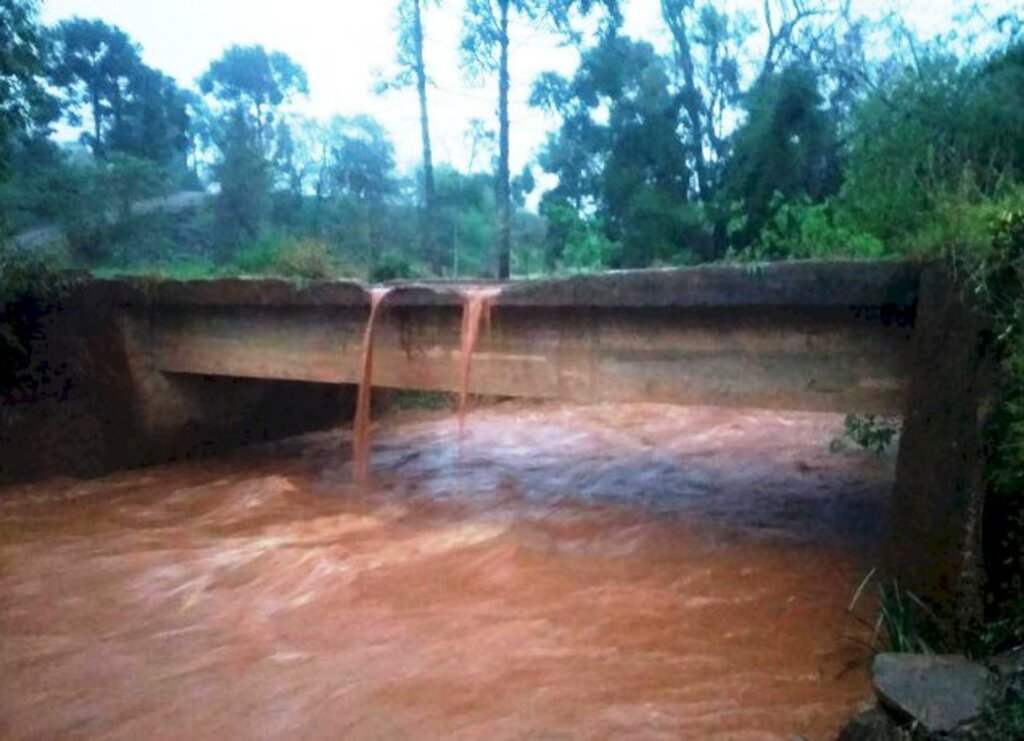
(801, 336)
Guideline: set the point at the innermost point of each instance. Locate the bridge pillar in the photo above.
(934, 546)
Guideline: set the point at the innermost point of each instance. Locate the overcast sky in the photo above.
(341, 43)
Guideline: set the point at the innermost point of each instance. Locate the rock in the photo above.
(873, 724)
(938, 693)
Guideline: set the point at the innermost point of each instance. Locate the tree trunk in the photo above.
(691, 94)
(259, 128)
(428, 238)
(504, 190)
(320, 188)
(97, 125)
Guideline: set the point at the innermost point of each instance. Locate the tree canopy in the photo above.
(781, 129)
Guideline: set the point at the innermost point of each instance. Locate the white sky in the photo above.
(341, 42)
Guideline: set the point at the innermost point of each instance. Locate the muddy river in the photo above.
(557, 572)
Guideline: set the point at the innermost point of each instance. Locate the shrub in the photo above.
(999, 281)
(30, 281)
(392, 267)
(30, 273)
(306, 258)
(904, 623)
(869, 432)
(799, 229)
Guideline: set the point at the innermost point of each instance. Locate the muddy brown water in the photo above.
(621, 571)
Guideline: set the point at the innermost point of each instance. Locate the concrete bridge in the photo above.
(818, 337)
(889, 338)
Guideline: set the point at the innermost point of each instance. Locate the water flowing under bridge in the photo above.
(886, 337)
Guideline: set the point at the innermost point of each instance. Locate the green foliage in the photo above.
(132, 108)
(787, 149)
(932, 146)
(634, 168)
(591, 252)
(392, 267)
(274, 255)
(485, 47)
(154, 122)
(255, 82)
(905, 619)
(243, 203)
(995, 277)
(1001, 719)
(998, 278)
(801, 229)
(810, 150)
(100, 204)
(904, 623)
(30, 281)
(362, 160)
(27, 107)
(305, 258)
(572, 244)
(466, 222)
(869, 432)
(31, 273)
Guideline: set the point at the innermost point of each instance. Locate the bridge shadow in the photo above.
(739, 472)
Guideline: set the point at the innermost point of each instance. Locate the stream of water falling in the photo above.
(364, 407)
(476, 311)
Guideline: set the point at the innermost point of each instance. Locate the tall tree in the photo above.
(485, 47)
(250, 84)
(785, 149)
(26, 108)
(485, 44)
(413, 72)
(244, 176)
(631, 167)
(255, 81)
(94, 64)
(154, 120)
(200, 134)
(714, 51)
(25, 105)
(362, 165)
(703, 88)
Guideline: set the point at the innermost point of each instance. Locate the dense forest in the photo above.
(803, 129)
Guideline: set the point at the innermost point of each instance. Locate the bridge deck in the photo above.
(811, 336)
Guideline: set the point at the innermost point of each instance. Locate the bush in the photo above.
(31, 273)
(306, 258)
(274, 255)
(800, 229)
(30, 281)
(869, 432)
(392, 267)
(904, 623)
(999, 281)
